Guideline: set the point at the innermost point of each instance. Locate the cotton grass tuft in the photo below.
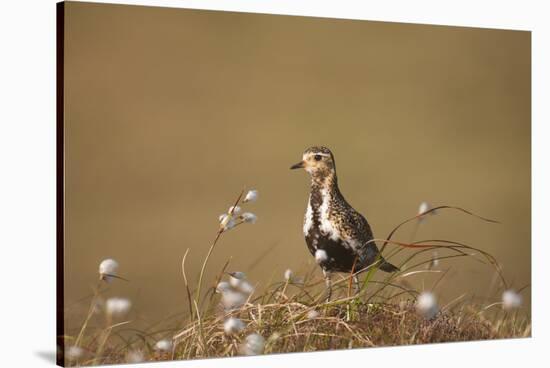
(227, 222)
(422, 209)
(254, 344)
(288, 274)
(249, 217)
(135, 356)
(117, 307)
(236, 278)
(511, 300)
(312, 314)
(426, 305)
(233, 325)
(223, 286)
(163, 345)
(235, 210)
(74, 353)
(246, 287)
(232, 299)
(108, 269)
(251, 196)
(238, 281)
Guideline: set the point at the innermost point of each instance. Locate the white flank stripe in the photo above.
(308, 218)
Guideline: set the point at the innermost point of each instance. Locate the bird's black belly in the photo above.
(340, 257)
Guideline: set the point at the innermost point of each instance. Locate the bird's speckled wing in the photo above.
(356, 232)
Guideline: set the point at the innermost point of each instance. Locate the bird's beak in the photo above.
(299, 165)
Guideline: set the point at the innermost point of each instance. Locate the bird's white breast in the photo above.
(308, 218)
(326, 226)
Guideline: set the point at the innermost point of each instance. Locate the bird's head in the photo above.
(317, 161)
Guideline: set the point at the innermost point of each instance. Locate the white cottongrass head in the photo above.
(236, 292)
(246, 287)
(74, 353)
(235, 278)
(312, 314)
(135, 356)
(424, 206)
(253, 345)
(235, 210)
(238, 275)
(249, 217)
(251, 196)
(163, 345)
(511, 300)
(232, 300)
(233, 325)
(288, 275)
(222, 287)
(426, 305)
(227, 222)
(320, 256)
(108, 269)
(117, 307)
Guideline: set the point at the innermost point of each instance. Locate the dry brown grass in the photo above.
(287, 328)
(382, 314)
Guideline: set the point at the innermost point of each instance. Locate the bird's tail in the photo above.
(388, 267)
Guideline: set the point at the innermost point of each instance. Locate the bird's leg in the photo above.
(356, 284)
(328, 284)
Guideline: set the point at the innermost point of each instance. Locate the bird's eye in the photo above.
(318, 157)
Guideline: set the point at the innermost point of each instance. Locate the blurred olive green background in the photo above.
(171, 112)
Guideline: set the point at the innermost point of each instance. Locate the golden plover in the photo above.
(339, 237)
